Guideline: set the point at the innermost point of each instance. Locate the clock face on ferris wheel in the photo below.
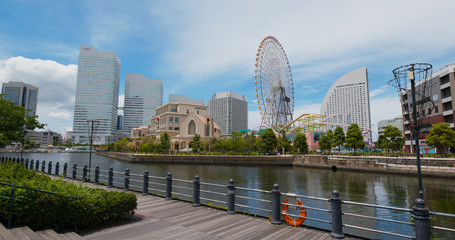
(274, 85)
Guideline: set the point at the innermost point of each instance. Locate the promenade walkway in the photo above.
(157, 218)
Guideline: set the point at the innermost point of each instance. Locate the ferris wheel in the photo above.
(274, 85)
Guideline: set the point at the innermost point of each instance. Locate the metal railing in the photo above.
(331, 214)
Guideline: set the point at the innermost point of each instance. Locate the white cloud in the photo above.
(56, 83)
(60, 115)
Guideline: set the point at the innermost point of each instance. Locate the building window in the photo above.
(176, 120)
(197, 111)
(177, 128)
(436, 109)
(192, 128)
(187, 111)
(171, 119)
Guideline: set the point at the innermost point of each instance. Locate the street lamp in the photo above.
(421, 71)
(92, 126)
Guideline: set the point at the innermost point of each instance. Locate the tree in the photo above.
(165, 142)
(250, 142)
(354, 137)
(267, 141)
(300, 143)
(441, 136)
(329, 134)
(325, 143)
(196, 143)
(338, 137)
(284, 145)
(381, 142)
(14, 122)
(393, 139)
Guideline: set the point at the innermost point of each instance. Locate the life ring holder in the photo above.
(284, 210)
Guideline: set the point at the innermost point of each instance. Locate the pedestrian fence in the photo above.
(332, 214)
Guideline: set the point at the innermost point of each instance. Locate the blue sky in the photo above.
(202, 47)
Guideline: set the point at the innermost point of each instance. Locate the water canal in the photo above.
(383, 189)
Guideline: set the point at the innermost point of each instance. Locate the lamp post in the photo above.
(415, 129)
(415, 72)
(92, 132)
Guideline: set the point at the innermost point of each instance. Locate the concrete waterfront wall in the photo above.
(203, 159)
(430, 167)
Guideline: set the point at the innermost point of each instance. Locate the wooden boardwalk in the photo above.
(157, 218)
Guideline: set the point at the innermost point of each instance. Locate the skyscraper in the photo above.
(348, 101)
(97, 90)
(230, 111)
(22, 94)
(142, 97)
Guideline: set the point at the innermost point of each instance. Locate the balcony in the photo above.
(447, 99)
(405, 112)
(408, 142)
(407, 132)
(445, 85)
(446, 113)
(406, 122)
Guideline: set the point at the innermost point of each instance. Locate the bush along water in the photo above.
(73, 206)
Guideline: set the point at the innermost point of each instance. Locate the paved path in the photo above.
(157, 218)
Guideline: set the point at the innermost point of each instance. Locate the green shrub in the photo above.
(95, 207)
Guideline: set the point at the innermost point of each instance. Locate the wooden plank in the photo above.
(7, 234)
(275, 235)
(239, 228)
(29, 232)
(201, 220)
(227, 226)
(221, 221)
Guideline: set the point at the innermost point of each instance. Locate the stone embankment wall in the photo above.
(203, 159)
(430, 167)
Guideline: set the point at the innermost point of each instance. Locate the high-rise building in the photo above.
(396, 122)
(440, 84)
(230, 111)
(348, 101)
(21, 94)
(142, 97)
(97, 90)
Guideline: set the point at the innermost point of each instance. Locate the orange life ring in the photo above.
(288, 219)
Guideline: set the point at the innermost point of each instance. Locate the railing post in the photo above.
(169, 186)
(196, 192)
(26, 163)
(126, 186)
(276, 204)
(74, 172)
(11, 204)
(421, 217)
(37, 166)
(231, 197)
(57, 168)
(65, 169)
(84, 174)
(110, 179)
(337, 224)
(97, 174)
(49, 167)
(43, 166)
(32, 164)
(145, 184)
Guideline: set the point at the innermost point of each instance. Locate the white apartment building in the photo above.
(142, 97)
(348, 101)
(97, 90)
(230, 111)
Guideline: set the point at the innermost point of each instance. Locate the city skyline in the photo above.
(201, 48)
